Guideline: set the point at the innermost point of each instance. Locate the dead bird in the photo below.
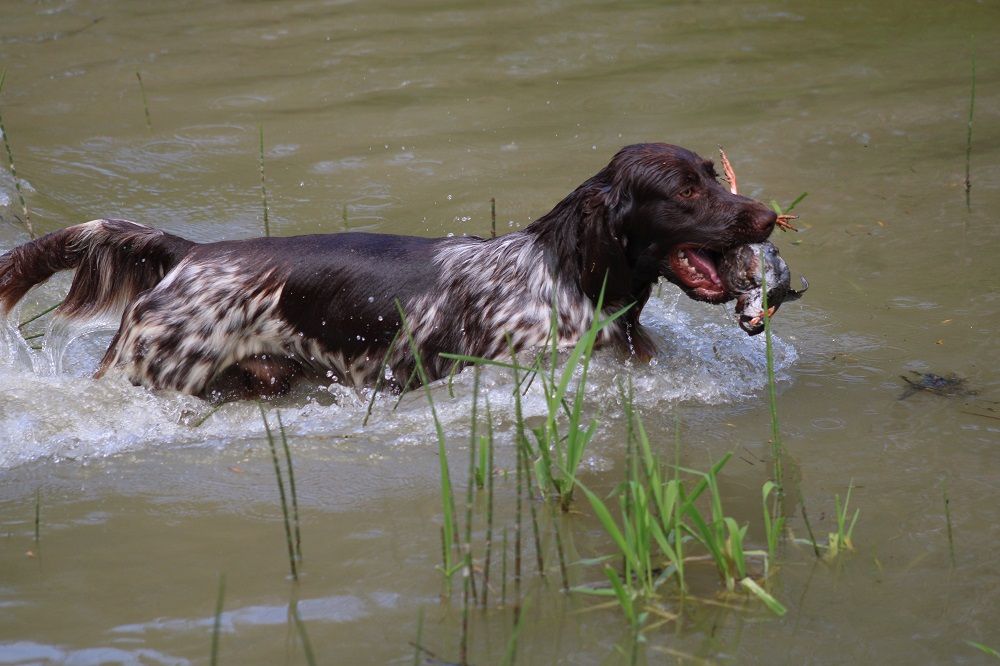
(740, 271)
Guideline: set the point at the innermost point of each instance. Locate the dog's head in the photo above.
(659, 210)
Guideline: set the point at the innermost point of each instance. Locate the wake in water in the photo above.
(52, 408)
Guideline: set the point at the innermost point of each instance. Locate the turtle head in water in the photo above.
(740, 271)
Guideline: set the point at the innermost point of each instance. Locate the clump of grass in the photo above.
(563, 437)
(145, 102)
(658, 513)
(263, 189)
(293, 553)
(26, 219)
(217, 623)
(841, 540)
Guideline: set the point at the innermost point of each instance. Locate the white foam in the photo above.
(51, 408)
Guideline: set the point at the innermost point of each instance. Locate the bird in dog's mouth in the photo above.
(743, 275)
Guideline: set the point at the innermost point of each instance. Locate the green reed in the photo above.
(449, 566)
(772, 399)
(291, 486)
(292, 554)
(488, 455)
(300, 629)
(217, 622)
(263, 188)
(493, 217)
(468, 578)
(145, 102)
(38, 516)
(38, 316)
(26, 220)
(985, 649)
(951, 537)
(968, 135)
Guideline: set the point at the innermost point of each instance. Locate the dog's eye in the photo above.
(686, 193)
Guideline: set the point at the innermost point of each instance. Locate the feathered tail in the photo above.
(115, 260)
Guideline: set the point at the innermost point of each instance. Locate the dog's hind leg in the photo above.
(205, 316)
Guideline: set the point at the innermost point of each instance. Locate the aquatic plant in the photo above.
(26, 220)
(968, 135)
(145, 103)
(217, 622)
(263, 189)
(449, 565)
(293, 555)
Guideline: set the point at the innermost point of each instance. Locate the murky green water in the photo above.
(408, 118)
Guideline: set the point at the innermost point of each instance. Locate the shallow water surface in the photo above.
(408, 117)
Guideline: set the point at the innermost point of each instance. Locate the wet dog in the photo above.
(246, 318)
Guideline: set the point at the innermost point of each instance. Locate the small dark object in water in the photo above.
(740, 271)
(951, 385)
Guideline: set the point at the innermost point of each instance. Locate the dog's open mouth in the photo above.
(696, 270)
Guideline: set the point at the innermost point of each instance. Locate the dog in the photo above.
(240, 319)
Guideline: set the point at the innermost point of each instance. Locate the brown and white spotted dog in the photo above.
(245, 318)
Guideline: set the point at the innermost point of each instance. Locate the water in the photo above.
(409, 117)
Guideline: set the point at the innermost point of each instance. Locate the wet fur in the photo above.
(246, 318)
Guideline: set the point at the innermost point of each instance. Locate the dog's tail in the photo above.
(115, 260)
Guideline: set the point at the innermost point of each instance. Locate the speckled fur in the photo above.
(246, 318)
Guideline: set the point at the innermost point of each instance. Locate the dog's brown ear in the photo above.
(601, 245)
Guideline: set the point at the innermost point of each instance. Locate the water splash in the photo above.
(52, 409)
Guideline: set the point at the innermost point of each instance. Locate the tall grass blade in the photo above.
(145, 102)
(773, 604)
(38, 516)
(510, 653)
(985, 649)
(420, 637)
(447, 495)
(281, 493)
(468, 579)
(380, 379)
(772, 399)
(951, 538)
(291, 486)
(39, 315)
(968, 136)
(217, 623)
(809, 529)
(534, 514)
(263, 189)
(13, 169)
(300, 629)
(489, 503)
(493, 217)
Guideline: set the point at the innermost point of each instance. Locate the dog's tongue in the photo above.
(701, 262)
